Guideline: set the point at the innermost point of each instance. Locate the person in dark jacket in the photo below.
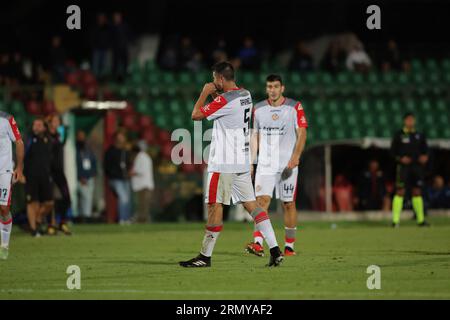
(117, 165)
(57, 138)
(86, 173)
(101, 42)
(121, 37)
(371, 187)
(410, 150)
(37, 171)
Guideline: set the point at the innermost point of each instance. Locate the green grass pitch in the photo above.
(140, 262)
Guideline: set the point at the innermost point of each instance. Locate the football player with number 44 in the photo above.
(279, 134)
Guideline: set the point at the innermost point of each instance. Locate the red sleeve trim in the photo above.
(301, 118)
(14, 128)
(218, 103)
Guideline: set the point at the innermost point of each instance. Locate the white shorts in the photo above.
(5, 188)
(221, 187)
(285, 190)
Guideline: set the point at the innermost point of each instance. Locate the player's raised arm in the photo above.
(199, 113)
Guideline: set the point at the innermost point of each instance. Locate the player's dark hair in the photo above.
(408, 114)
(274, 77)
(225, 69)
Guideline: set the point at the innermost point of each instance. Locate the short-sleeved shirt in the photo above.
(230, 143)
(277, 126)
(9, 133)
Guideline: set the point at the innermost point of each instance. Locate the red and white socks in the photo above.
(212, 232)
(5, 229)
(258, 237)
(264, 226)
(290, 236)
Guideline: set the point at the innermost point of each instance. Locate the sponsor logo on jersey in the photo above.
(275, 117)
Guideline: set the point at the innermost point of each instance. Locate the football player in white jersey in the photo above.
(279, 134)
(229, 176)
(9, 133)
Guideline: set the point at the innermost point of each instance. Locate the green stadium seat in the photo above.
(317, 106)
(349, 106)
(150, 66)
(442, 107)
(158, 107)
(416, 65)
(4, 106)
(363, 106)
(326, 79)
(17, 108)
(379, 106)
(432, 133)
(355, 133)
(161, 122)
(403, 79)
(445, 65)
(332, 107)
(446, 133)
(428, 120)
(202, 77)
(168, 78)
(184, 78)
(311, 79)
(395, 106)
(340, 133)
(175, 107)
(247, 79)
(409, 105)
(153, 78)
(324, 134)
(431, 65)
(143, 107)
(425, 106)
(373, 78)
(352, 120)
(294, 78)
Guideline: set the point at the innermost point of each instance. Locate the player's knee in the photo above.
(289, 205)
(4, 210)
(416, 192)
(263, 202)
(400, 192)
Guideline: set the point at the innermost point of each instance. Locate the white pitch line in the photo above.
(231, 293)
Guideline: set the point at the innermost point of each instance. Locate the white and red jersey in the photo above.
(277, 126)
(8, 133)
(230, 143)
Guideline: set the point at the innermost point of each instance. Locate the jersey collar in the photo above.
(284, 100)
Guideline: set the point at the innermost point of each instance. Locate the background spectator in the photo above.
(58, 58)
(439, 194)
(101, 42)
(186, 52)
(342, 194)
(358, 60)
(334, 59)
(86, 173)
(371, 187)
(142, 181)
(117, 165)
(121, 36)
(301, 59)
(249, 55)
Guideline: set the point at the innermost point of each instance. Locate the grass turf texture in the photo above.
(140, 262)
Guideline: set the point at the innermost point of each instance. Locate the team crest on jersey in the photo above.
(275, 117)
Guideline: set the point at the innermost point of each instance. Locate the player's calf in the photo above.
(5, 230)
